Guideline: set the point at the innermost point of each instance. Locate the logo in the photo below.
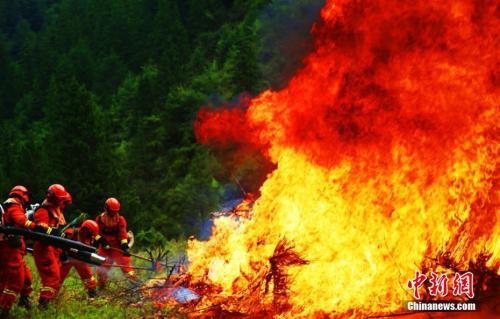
(438, 285)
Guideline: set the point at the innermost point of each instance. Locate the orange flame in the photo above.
(387, 149)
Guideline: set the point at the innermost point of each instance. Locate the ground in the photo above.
(117, 301)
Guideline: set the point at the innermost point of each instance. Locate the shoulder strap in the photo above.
(3, 208)
(9, 202)
(3, 212)
(101, 222)
(119, 218)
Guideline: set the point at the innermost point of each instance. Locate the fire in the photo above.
(386, 145)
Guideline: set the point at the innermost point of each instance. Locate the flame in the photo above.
(386, 147)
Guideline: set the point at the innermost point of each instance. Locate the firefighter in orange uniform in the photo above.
(113, 241)
(15, 276)
(85, 234)
(50, 216)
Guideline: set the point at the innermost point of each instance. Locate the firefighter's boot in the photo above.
(43, 303)
(25, 302)
(92, 292)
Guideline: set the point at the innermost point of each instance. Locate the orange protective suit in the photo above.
(81, 267)
(113, 228)
(15, 276)
(46, 256)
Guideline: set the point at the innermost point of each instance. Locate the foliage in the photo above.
(72, 301)
(101, 96)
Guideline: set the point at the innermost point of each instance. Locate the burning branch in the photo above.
(386, 141)
(284, 256)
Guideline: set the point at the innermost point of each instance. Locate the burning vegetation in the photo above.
(386, 146)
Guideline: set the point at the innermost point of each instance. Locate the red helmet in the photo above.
(20, 192)
(91, 226)
(112, 205)
(57, 194)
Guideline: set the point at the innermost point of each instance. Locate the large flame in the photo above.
(387, 149)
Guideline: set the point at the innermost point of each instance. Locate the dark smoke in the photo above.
(286, 38)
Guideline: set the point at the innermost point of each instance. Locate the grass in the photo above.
(116, 301)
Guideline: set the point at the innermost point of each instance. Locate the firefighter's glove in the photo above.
(92, 292)
(125, 249)
(99, 240)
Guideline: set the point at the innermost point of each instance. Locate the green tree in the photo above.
(77, 154)
(242, 64)
(169, 42)
(101, 96)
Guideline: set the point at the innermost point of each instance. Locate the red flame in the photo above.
(418, 75)
(394, 119)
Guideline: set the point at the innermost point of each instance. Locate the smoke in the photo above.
(413, 77)
(240, 162)
(286, 39)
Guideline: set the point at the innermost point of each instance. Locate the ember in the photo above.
(387, 148)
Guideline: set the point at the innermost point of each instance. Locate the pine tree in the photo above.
(242, 63)
(170, 43)
(77, 154)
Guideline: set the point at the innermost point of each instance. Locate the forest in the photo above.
(273, 158)
(100, 96)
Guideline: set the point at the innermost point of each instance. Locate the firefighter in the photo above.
(15, 276)
(50, 217)
(86, 234)
(113, 241)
